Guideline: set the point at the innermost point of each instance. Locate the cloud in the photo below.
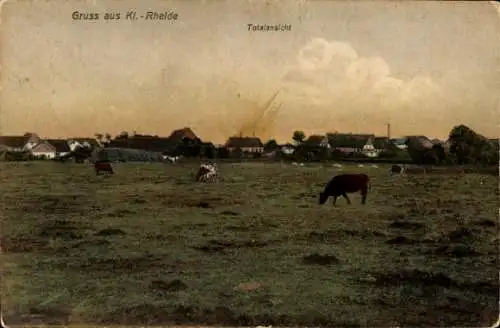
(332, 74)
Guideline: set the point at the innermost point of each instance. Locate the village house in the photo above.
(400, 143)
(43, 149)
(245, 144)
(141, 142)
(19, 143)
(155, 143)
(180, 135)
(318, 141)
(287, 149)
(349, 143)
(422, 141)
(83, 142)
(61, 146)
(376, 145)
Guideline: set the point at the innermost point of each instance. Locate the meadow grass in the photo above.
(149, 246)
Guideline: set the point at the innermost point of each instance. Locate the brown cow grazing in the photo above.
(103, 166)
(343, 184)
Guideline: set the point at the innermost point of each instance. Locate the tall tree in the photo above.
(469, 147)
(299, 136)
(271, 145)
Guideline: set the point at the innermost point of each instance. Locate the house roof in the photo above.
(14, 141)
(244, 142)
(398, 141)
(419, 140)
(60, 145)
(180, 134)
(150, 144)
(315, 139)
(348, 140)
(382, 143)
(93, 142)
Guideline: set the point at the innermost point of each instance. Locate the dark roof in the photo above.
(180, 134)
(419, 141)
(315, 139)
(61, 146)
(244, 142)
(150, 144)
(348, 140)
(14, 141)
(382, 143)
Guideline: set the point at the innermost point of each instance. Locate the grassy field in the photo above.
(149, 246)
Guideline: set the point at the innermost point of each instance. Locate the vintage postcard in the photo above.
(249, 163)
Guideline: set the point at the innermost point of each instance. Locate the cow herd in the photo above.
(339, 185)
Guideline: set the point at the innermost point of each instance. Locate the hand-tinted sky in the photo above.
(345, 66)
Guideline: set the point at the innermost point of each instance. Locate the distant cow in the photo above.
(343, 184)
(397, 169)
(171, 159)
(103, 166)
(207, 173)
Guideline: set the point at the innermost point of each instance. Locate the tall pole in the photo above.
(389, 130)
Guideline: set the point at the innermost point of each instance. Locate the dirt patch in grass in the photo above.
(219, 245)
(406, 224)
(162, 287)
(337, 235)
(119, 265)
(22, 244)
(319, 259)
(63, 229)
(110, 232)
(201, 202)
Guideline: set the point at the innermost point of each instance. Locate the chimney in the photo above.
(241, 134)
(389, 130)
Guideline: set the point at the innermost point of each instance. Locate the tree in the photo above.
(107, 139)
(210, 151)
(223, 152)
(271, 145)
(123, 135)
(99, 137)
(299, 136)
(469, 147)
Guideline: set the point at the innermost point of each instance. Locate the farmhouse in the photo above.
(245, 144)
(400, 143)
(141, 142)
(19, 143)
(318, 141)
(43, 149)
(376, 145)
(82, 142)
(349, 143)
(61, 146)
(287, 149)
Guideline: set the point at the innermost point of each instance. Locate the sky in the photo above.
(346, 66)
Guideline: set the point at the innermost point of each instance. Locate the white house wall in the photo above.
(48, 155)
